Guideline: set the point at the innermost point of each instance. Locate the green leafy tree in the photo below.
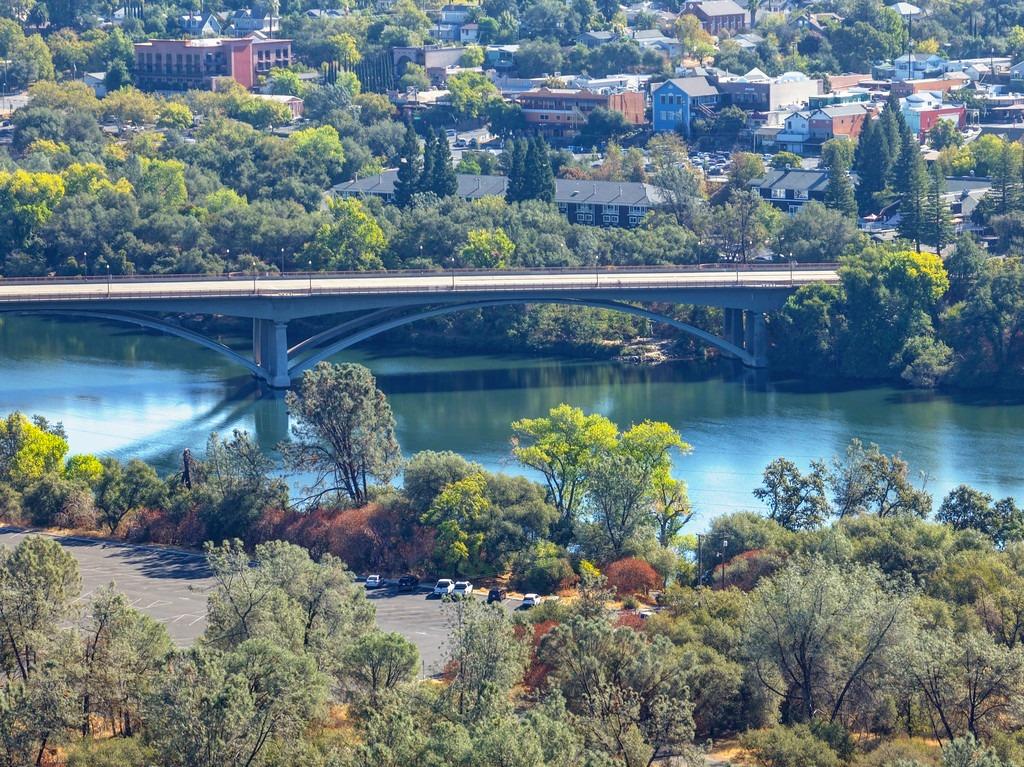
(127, 488)
(938, 224)
(443, 181)
(565, 447)
(377, 663)
(911, 186)
(795, 500)
(351, 240)
(470, 93)
(487, 249)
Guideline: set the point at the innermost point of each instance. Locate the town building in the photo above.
(435, 59)
(757, 92)
(655, 40)
(718, 16)
(923, 110)
(789, 189)
(177, 65)
(198, 25)
(294, 103)
(675, 103)
(597, 203)
(560, 113)
(949, 82)
(805, 131)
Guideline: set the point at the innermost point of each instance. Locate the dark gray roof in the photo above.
(472, 186)
(693, 86)
(958, 184)
(793, 178)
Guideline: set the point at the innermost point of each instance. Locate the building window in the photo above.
(778, 194)
(585, 218)
(634, 220)
(801, 194)
(637, 210)
(609, 218)
(794, 209)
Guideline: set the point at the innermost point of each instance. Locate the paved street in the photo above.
(298, 285)
(172, 587)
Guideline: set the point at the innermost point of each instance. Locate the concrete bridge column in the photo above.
(270, 351)
(734, 326)
(755, 337)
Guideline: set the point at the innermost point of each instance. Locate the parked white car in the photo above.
(373, 581)
(530, 600)
(462, 589)
(443, 587)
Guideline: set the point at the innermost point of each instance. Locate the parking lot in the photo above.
(172, 586)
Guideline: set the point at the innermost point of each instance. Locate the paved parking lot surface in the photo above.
(172, 586)
(169, 585)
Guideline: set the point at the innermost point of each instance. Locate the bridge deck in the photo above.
(325, 284)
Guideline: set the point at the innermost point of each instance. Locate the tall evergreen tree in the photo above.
(409, 168)
(872, 165)
(911, 186)
(516, 171)
(938, 224)
(540, 180)
(839, 192)
(445, 182)
(427, 174)
(1006, 193)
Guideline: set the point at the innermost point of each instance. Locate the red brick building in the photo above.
(177, 65)
(717, 16)
(562, 112)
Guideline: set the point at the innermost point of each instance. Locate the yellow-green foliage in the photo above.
(28, 452)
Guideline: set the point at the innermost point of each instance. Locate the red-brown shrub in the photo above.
(632, 576)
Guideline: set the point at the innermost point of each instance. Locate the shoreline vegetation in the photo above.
(852, 620)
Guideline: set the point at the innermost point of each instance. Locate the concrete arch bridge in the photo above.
(390, 300)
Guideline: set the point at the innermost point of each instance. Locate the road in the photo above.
(16, 291)
(172, 587)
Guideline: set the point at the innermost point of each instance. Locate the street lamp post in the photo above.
(309, 265)
(108, 280)
(254, 276)
(725, 545)
(451, 260)
(282, 261)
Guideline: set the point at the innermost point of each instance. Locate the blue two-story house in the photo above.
(675, 103)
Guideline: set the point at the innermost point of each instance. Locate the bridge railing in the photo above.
(717, 267)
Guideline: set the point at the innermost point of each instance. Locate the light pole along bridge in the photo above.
(389, 300)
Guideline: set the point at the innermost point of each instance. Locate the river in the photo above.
(131, 394)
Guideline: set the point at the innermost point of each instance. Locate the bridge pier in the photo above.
(270, 351)
(746, 329)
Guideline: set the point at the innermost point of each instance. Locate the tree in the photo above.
(795, 746)
(603, 125)
(351, 240)
(795, 500)
(743, 225)
(407, 182)
(671, 508)
(565, 447)
(867, 480)
(415, 77)
(618, 497)
(938, 225)
(487, 249)
(443, 181)
(378, 662)
(839, 193)
(910, 184)
(470, 93)
(872, 163)
(539, 180)
(816, 234)
(944, 134)
(39, 582)
(344, 431)
(537, 58)
(230, 708)
(819, 635)
(29, 450)
(515, 160)
(127, 488)
(472, 57)
(965, 508)
(625, 691)
(486, 659)
(426, 181)
(631, 576)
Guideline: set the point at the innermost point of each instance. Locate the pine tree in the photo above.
(938, 225)
(1006, 193)
(516, 171)
(911, 186)
(445, 182)
(839, 192)
(409, 168)
(427, 174)
(539, 178)
(872, 165)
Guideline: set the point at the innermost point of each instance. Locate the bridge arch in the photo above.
(345, 342)
(151, 323)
